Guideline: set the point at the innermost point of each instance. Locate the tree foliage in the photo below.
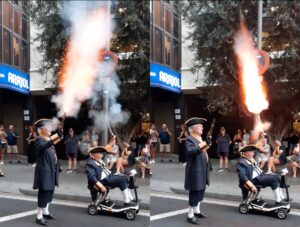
(131, 36)
(214, 23)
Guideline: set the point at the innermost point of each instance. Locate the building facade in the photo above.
(14, 67)
(165, 79)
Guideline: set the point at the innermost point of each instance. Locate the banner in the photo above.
(165, 78)
(13, 79)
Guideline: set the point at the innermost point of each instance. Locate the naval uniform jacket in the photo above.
(94, 170)
(247, 170)
(46, 170)
(197, 166)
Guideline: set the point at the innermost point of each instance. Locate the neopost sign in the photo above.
(165, 78)
(13, 79)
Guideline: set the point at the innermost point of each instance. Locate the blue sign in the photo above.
(13, 79)
(165, 78)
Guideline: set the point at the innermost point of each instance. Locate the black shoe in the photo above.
(170, 160)
(193, 220)
(282, 202)
(162, 160)
(131, 203)
(201, 215)
(10, 162)
(41, 221)
(49, 216)
(19, 161)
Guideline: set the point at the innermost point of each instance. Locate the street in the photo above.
(20, 211)
(171, 210)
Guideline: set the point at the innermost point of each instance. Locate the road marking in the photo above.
(168, 214)
(145, 213)
(210, 201)
(19, 215)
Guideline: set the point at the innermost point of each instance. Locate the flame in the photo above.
(79, 69)
(252, 83)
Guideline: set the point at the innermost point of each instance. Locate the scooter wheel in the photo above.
(130, 215)
(281, 214)
(92, 209)
(243, 208)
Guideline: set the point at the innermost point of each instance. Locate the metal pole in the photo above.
(105, 97)
(259, 24)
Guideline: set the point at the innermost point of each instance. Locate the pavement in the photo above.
(21, 212)
(171, 210)
(73, 187)
(168, 177)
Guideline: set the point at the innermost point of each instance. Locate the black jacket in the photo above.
(244, 170)
(93, 170)
(46, 170)
(197, 166)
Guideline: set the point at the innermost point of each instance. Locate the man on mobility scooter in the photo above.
(252, 178)
(100, 180)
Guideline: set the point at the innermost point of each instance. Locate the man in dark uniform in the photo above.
(46, 170)
(197, 168)
(250, 175)
(99, 177)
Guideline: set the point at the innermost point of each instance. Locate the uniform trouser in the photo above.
(195, 197)
(44, 197)
(111, 182)
(272, 181)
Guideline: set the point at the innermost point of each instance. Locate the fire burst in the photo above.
(252, 83)
(79, 70)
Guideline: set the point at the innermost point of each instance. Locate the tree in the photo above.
(213, 27)
(131, 37)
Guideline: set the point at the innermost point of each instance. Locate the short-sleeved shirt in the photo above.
(223, 143)
(72, 144)
(164, 137)
(11, 140)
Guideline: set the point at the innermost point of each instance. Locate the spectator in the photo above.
(143, 161)
(3, 143)
(112, 157)
(293, 142)
(237, 141)
(181, 139)
(264, 154)
(72, 143)
(86, 142)
(246, 138)
(142, 140)
(164, 137)
(223, 141)
(153, 142)
(278, 157)
(94, 139)
(296, 159)
(12, 148)
(127, 159)
(134, 145)
(31, 154)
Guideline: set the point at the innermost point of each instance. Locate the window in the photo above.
(158, 13)
(158, 45)
(176, 27)
(168, 21)
(24, 27)
(16, 22)
(177, 57)
(6, 14)
(16, 52)
(167, 50)
(6, 47)
(24, 62)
